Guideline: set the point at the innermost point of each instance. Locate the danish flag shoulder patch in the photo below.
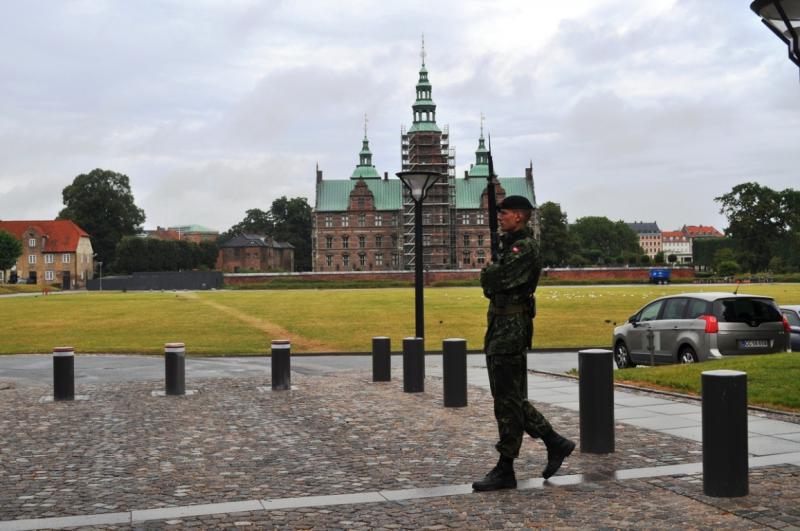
(515, 249)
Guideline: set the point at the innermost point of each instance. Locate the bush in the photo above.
(727, 268)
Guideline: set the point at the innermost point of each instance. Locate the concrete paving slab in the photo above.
(66, 521)
(764, 445)
(629, 399)
(789, 436)
(624, 413)
(676, 408)
(771, 427)
(661, 422)
(167, 513)
(694, 433)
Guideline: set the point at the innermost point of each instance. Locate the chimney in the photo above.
(386, 176)
(466, 174)
(319, 174)
(529, 172)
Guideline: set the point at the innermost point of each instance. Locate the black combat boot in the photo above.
(558, 449)
(500, 477)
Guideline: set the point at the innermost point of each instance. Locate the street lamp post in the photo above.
(782, 17)
(418, 182)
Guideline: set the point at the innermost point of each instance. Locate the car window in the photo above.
(744, 310)
(650, 312)
(792, 317)
(673, 308)
(697, 308)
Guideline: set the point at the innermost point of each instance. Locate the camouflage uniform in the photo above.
(509, 285)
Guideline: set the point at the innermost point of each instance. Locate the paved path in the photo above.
(343, 452)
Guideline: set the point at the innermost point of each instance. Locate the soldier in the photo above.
(509, 285)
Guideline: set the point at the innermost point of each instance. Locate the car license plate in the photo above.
(753, 343)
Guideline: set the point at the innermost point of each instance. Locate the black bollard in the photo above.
(596, 401)
(454, 370)
(175, 368)
(281, 368)
(413, 365)
(63, 373)
(725, 465)
(381, 359)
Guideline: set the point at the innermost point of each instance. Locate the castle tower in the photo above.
(427, 146)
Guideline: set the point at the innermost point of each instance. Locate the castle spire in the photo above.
(481, 166)
(365, 169)
(424, 109)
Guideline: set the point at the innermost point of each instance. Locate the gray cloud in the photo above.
(643, 112)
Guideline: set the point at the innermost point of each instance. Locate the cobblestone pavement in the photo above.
(124, 449)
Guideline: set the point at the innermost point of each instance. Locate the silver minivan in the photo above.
(693, 327)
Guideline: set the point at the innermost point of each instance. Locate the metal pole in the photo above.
(725, 465)
(175, 368)
(281, 369)
(413, 365)
(419, 310)
(63, 373)
(596, 400)
(454, 369)
(381, 359)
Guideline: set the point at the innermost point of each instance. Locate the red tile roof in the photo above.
(63, 235)
(694, 231)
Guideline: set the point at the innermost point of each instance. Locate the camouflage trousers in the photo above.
(515, 415)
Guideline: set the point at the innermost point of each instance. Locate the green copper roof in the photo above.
(424, 126)
(468, 191)
(193, 228)
(365, 172)
(334, 196)
(479, 170)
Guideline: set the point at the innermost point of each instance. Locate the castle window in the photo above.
(329, 221)
(361, 199)
(378, 220)
(328, 242)
(362, 260)
(481, 257)
(328, 260)
(345, 242)
(379, 241)
(379, 259)
(480, 240)
(362, 219)
(466, 257)
(346, 260)
(480, 220)
(466, 240)
(345, 220)
(465, 218)
(362, 242)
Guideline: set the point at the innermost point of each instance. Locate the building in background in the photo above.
(56, 252)
(701, 231)
(677, 243)
(366, 222)
(649, 237)
(255, 253)
(195, 233)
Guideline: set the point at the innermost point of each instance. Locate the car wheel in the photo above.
(621, 356)
(687, 355)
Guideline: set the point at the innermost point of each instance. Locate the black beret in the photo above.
(515, 202)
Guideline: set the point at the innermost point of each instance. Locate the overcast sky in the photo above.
(631, 110)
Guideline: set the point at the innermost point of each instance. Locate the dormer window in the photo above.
(32, 242)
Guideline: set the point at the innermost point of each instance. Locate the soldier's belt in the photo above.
(509, 309)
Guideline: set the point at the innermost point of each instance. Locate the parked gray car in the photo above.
(693, 327)
(792, 314)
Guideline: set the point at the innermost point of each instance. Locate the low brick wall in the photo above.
(634, 274)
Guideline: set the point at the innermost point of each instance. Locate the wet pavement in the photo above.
(342, 452)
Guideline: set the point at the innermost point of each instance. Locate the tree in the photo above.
(659, 258)
(602, 238)
(10, 250)
(292, 218)
(555, 243)
(101, 203)
(672, 258)
(758, 220)
(255, 221)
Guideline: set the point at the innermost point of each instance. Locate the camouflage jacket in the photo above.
(509, 284)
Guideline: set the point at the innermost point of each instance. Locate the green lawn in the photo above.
(240, 322)
(772, 380)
